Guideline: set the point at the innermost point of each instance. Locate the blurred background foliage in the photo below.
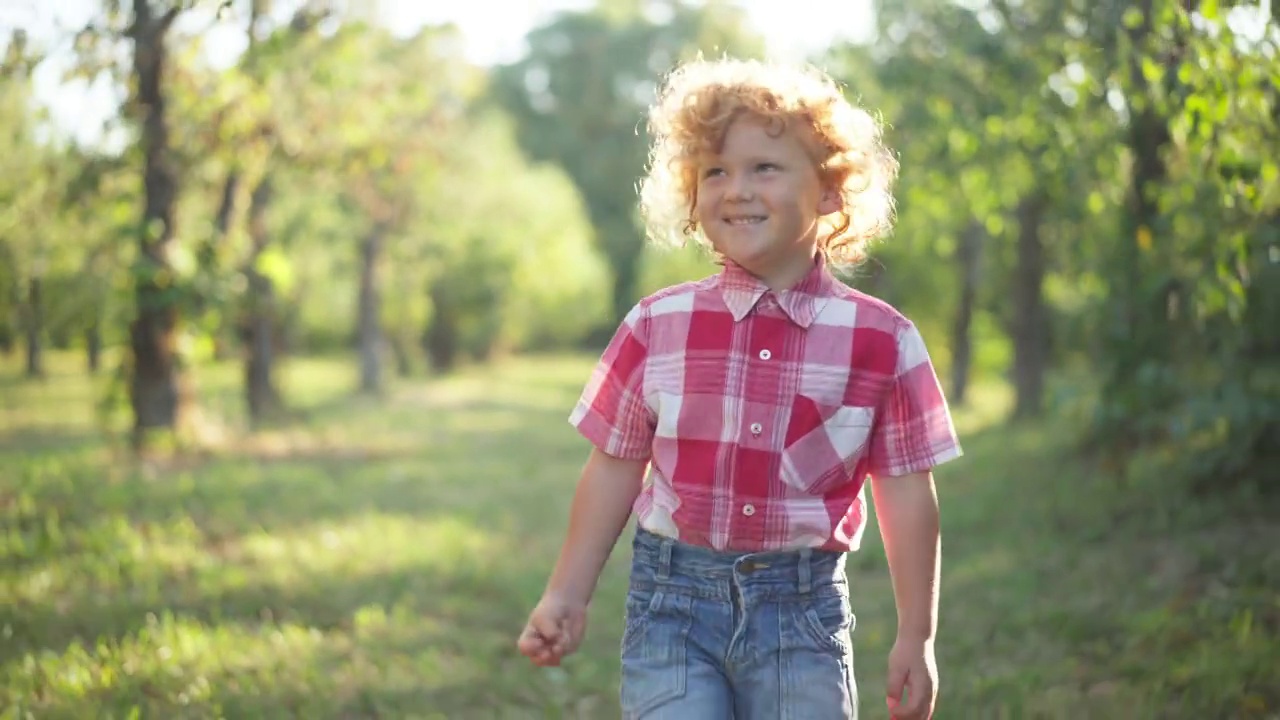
(1088, 235)
(1088, 204)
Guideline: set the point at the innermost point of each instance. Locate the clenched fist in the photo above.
(554, 630)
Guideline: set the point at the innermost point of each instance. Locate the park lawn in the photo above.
(378, 559)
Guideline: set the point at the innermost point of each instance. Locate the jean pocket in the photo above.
(654, 640)
(828, 621)
(824, 444)
(642, 603)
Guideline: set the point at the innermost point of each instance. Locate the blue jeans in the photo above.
(715, 635)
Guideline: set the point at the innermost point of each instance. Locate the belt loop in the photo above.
(664, 559)
(806, 579)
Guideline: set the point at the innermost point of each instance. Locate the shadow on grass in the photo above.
(448, 589)
(474, 462)
(406, 641)
(1066, 586)
(378, 562)
(277, 480)
(33, 440)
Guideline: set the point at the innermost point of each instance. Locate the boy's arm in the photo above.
(907, 510)
(600, 510)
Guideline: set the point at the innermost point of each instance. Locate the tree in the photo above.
(1119, 156)
(27, 185)
(154, 388)
(585, 85)
(511, 259)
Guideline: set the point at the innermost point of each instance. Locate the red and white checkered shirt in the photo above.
(762, 413)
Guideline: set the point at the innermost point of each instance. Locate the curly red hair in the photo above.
(700, 99)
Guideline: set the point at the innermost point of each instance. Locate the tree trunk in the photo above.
(1031, 319)
(1148, 134)
(368, 329)
(93, 347)
(154, 390)
(1135, 340)
(441, 339)
(223, 334)
(1261, 345)
(400, 340)
(969, 265)
(261, 394)
(35, 327)
(402, 354)
(11, 306)
(625, 258)
(260, 352)
(872, 279)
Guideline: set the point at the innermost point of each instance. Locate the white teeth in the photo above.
(745, 220)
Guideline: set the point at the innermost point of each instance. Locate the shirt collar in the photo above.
(801, 302)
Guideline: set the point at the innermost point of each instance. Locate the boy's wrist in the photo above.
(915, 635)
(570, 591)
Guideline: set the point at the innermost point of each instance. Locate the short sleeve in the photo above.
(611, 412)
(914, 432)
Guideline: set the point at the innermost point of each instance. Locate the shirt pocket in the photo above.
(824, 444)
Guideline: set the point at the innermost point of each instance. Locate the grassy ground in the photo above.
(377, 560)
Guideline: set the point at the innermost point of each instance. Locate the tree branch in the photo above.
(1006, 14)
(168, 18)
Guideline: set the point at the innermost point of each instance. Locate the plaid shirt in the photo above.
(762, 413)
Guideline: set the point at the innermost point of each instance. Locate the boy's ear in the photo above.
(830, 202)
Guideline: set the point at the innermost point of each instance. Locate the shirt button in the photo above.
(756, 428)
(748, 509)
(765, 354)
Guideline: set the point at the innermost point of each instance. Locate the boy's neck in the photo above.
(782, 278)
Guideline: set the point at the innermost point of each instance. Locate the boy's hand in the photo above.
(601, 505)
(912, 667)
(554, 630)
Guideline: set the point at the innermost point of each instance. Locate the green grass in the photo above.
(378, 559)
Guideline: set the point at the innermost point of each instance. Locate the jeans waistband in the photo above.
(801, 569)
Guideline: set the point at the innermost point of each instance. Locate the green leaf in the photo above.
(1151, 71)
(1097, 204)
(1184, 73)
(275, 265)
(182, 260)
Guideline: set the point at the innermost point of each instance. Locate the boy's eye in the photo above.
(766, 167)
(712, 172)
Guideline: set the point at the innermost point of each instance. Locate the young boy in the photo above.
(759, 399)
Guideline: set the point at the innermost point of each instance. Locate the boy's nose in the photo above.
(740, 189)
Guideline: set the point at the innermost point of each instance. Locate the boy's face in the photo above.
(759, 200)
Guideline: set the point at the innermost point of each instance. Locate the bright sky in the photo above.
(494, 28)
(493, 32)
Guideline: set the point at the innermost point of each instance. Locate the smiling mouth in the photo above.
(745, 220)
